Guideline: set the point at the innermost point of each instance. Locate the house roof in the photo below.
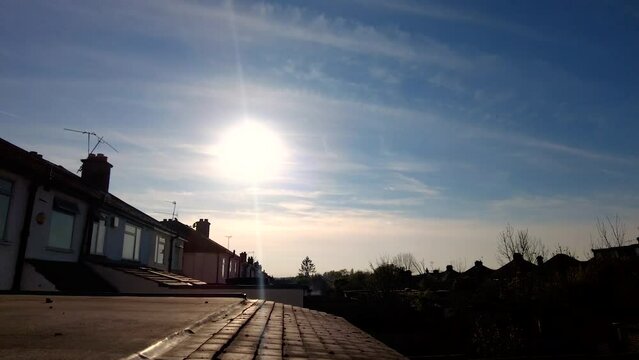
(264, 329)
(560, 263)
(163, 278)
(196, 241)
(158, 327)
(479, 270)
(517, 266)
(36, 168)
(626, 250)
(95, 327)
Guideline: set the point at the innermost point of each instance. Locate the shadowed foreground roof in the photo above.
(266, 330)
(80, 327)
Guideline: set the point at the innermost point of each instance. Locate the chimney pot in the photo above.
(540, 260)
(449, 267)
(518, 257)
(478, 263)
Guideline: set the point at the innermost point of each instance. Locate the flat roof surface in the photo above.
(80, 327)
(266, 330)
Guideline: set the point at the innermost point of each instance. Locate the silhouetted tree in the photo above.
(409, 262)
(406, 261)
(307, 268)
(611, 232)
(564, 250)
(388, 277)
(520, 241)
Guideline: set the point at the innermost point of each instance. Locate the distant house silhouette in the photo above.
(517, 267)
(478, 272)
(616, 252)
(560, 264)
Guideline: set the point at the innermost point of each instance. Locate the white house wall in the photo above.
(15, 219)
(37, 246)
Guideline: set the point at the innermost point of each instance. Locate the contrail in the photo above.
(9, 114)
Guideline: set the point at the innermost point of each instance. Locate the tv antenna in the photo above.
(228, 241)
(100, 140)
(173, 214)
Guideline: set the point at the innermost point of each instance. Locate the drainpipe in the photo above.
(24, 237)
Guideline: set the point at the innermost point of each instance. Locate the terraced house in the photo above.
(60, 231)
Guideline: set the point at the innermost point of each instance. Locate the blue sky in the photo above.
(418, 127)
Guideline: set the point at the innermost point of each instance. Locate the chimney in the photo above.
(242, 257)
(96, 171)
(540, 260)
(35, 154)
(435, 271)
(449, 267)
(478, 263)
(203, 227)
(518, 257)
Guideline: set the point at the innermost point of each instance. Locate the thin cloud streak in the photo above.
(440, 12)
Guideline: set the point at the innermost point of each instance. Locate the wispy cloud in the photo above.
(4, 113)
(519, 139)
(403, 183)
(449, 13)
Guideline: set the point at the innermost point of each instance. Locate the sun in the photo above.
(251, 152)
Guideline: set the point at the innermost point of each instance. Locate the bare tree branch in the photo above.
(611, 232)
(510, 241)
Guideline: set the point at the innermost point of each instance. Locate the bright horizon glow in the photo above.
(251, 152)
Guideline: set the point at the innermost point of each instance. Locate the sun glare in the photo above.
(251, 152)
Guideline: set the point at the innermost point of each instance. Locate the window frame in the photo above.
(137, 239)
(63, 207)
(223, 268)
(159, 238)
(97, 225)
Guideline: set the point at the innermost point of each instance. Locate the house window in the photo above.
(5, 197)
(97, 237)
(131, 243)
(160, 243)
(223, 268)
(62, 222)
